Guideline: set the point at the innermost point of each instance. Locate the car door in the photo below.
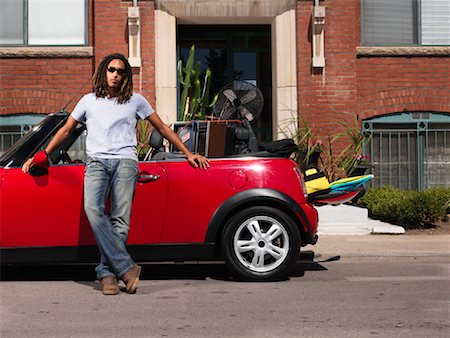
(42, 211)
(149, 204)
(48, 210)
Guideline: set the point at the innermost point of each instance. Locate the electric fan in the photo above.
(237, 100)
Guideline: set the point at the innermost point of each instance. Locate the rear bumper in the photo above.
(310, 220)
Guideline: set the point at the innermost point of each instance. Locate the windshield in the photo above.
(19, 143)
(31, 142)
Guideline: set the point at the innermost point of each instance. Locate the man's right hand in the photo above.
(26, 166)
(40, 159)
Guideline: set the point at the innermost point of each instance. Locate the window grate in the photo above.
(409, 155)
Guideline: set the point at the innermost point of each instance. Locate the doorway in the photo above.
(234, 52)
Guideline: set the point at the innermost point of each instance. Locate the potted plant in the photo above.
(143, 129)
(194, 98)
(353, 161)
(309, 147)
(360, 167)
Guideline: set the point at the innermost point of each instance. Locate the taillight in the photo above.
(301, 179)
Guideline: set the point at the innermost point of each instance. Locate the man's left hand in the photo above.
(197, 160)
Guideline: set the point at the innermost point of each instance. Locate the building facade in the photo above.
(386, 63)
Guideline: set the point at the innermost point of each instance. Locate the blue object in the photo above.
(350, 182)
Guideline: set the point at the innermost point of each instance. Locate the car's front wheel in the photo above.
(260, 244)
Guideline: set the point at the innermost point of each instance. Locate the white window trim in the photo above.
(362, 51)
(46, 52)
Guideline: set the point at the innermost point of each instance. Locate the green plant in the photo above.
(331, 159)
(194, 95)
(308, 144)
(442, 195)
(341, 151)
(352, 155)
(408, 208)
(143, 129)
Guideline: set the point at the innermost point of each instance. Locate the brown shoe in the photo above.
(110, 286)
(131, 278)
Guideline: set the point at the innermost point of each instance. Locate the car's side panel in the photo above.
(194, 195)
(45, 210)
(304, 216)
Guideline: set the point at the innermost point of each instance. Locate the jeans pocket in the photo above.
(91, 163)
(129, 166)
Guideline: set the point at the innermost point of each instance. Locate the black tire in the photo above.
(266, 254)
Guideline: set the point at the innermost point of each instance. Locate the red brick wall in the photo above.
(397, 84)
(41, 85)
(367, 86)
(324, 96)
(45, 85)
(111, 35)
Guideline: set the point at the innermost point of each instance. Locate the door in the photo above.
(149, 204)
(234, 52)
(42, 211)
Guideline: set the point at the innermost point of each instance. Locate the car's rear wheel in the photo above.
(260, 244)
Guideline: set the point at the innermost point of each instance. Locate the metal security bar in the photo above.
(437, 157)
(13, 127)
(407, 154)
(7, 139)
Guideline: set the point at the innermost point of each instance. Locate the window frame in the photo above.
(417, 30)
(25, 30)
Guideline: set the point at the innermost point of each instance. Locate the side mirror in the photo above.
(40, 164)
(37, 171)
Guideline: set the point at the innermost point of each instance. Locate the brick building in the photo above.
(386, 62)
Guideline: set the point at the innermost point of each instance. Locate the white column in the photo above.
(284, 75)
(165, 66)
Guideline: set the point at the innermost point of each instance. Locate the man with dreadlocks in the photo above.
(110, 113)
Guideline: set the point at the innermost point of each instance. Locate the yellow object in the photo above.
(316, 181)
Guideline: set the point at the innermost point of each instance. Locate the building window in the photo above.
(43, 22)
(409, 150)
(405, 22)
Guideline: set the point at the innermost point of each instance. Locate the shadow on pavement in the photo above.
(150, 271)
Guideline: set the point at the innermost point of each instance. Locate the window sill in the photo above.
(46, 52)
(402, 51)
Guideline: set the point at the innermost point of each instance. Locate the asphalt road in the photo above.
(333, 293)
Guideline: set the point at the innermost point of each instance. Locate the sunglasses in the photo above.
(119, 71)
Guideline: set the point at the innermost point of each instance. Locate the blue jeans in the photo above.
(116, 178)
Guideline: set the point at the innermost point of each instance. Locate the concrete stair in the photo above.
(346, 219)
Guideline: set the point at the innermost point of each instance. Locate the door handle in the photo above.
(146, 177)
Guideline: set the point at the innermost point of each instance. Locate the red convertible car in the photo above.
(251, 211)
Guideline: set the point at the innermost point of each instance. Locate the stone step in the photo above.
(346, 219)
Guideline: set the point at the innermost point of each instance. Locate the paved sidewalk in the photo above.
(382, 246)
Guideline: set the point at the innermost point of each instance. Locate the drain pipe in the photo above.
(318, 45)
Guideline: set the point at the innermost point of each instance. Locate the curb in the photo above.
(382, 246)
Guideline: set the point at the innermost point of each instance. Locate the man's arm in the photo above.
(196, 160)
(62, 134)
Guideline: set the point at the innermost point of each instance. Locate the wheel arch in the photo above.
(256, 197)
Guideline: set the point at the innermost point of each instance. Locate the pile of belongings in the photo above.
(320, 190)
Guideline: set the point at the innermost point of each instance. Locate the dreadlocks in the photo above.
(99, 82)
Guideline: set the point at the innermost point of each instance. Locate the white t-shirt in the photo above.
(111, 126)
